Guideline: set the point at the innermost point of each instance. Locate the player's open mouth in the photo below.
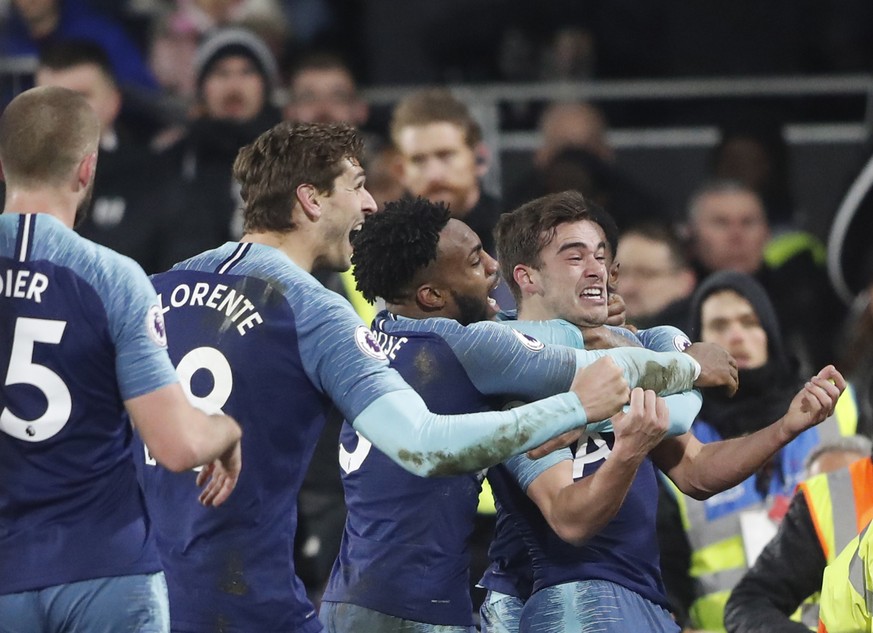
(353, 233)
(596, 294)
(492, 302)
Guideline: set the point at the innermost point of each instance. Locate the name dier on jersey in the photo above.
(23, 284)
(233, 304)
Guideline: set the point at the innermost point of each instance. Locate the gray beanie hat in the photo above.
(235, 41)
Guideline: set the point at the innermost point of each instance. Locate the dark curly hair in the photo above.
(395, 244)
(281, 159)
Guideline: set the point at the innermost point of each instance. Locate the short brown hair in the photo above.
(521, 235)
(44, 134)
(281, 159)
(435, 105)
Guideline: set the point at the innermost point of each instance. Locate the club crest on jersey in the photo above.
(155, 326)
(529, 342)
(367, 343)
(681, 342)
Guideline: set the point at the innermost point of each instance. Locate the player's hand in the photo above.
(601, 388)
(556, 443)
(222, 475)
(643, 426)
(717, 367)
(815, 402)
(617, 309)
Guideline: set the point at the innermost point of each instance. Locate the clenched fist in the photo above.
(601, 388)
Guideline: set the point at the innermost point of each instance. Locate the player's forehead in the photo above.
(351, 169)
(457, 237)
(580, 234)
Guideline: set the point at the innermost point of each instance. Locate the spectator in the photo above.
(728, 229)
(575, 153)
(36, 23)
(827, 511)
(654, 279)
(846, 587)
(755, 154)
(236, 75)
(732, 310)
(322, 89)
(126, 211)
(443, 158)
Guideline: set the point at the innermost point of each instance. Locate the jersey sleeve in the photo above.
(666, 373)
(683, 407)
(137, 329)
(427, 444)
(664, 338)
(500, 360)
(340, 355)
(525, 470)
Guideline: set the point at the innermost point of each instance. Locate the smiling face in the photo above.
(343, 211)
(466, 273)
(728, 320)
(571, 281)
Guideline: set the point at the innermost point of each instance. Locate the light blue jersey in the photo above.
(683, 407)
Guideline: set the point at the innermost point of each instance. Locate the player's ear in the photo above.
(429, 297)
(86, 170)
(526, 278)
(310, 201)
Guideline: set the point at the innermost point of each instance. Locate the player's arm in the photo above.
(702, 470)
(179, 435)
(578, 510)
(682, 407)
(399, 424)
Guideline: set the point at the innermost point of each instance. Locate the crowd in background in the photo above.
(180, 87)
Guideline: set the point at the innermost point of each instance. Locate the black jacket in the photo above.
(787, 572)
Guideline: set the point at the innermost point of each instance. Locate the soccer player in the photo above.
(425, 264)
(81, 340)
(253, 333)
(588, 570)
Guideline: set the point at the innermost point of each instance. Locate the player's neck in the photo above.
(48, 201)
(532, 310)
(289, 243)
(415, 311)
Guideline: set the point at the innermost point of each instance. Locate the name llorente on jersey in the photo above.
(23, 284)
(233, 304)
